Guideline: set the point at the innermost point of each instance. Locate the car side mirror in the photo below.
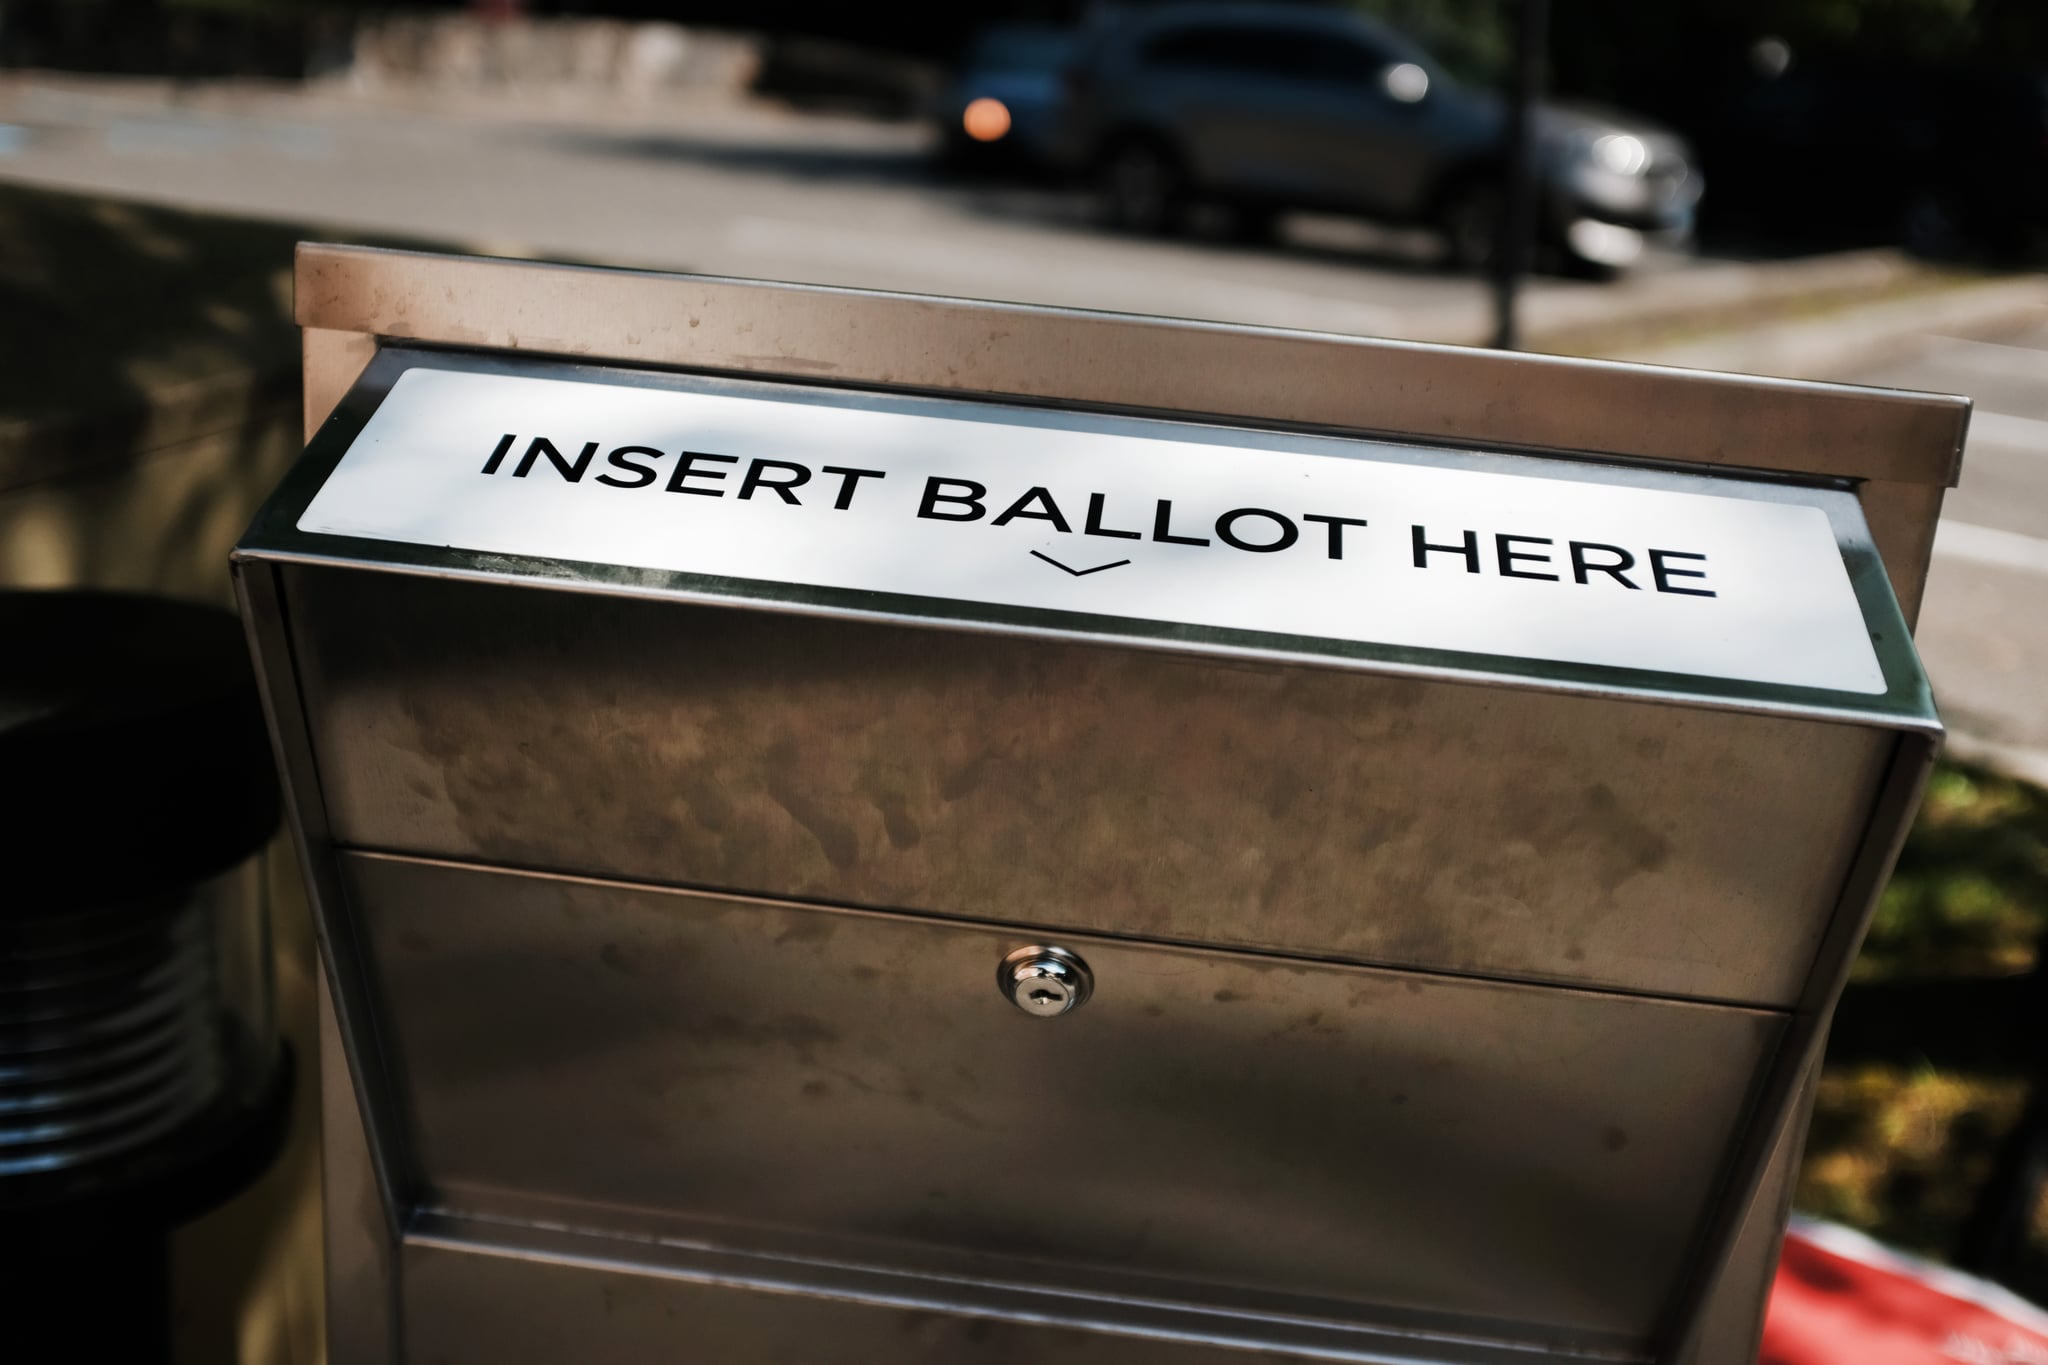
(1405, 83)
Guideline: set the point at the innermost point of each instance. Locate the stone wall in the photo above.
(611, 58)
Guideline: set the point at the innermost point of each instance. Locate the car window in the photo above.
(1282, 53)
(1206, 49)
(1369, 54)
(1021, 49)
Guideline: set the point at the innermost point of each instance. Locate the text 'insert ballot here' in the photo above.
(1165, 526)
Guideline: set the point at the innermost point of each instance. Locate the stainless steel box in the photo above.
(1448, 1003)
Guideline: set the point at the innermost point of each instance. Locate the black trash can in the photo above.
(142, 1080)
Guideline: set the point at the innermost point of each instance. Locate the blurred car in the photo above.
(1271, 107)
(1001, 107)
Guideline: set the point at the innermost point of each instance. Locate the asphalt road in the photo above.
(751, 190)
(726, 188)
(1984, 624)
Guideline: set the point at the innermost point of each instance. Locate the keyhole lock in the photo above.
(1045, 982)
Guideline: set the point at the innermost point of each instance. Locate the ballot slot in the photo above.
(954, 510)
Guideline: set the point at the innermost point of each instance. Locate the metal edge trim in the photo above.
(1029, 1305)
(263, 614)
(361, 1273)
(1799, 1050)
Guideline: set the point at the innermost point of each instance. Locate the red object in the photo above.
(1843, 1299)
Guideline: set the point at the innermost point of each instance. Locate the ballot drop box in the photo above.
(859, 828)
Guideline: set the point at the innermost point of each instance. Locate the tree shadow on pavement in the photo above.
(149, 389)
(115, 309)
(1035, 199)
(108, 301)
(889, 165)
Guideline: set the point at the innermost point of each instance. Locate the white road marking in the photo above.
(2001, 358)
(2003, 429)
(1988, 545)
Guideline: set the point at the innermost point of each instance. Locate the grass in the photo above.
(1970, 896)
(1941, 1033)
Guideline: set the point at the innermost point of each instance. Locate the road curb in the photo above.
(2008, 760)
(1857, 337)
(1654, 306)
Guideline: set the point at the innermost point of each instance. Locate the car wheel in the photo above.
(1142, 186)
(1253, 224)
(1469, 220)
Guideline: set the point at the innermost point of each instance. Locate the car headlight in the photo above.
(1620, 154)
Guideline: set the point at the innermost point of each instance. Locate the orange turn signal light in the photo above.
(986, 119)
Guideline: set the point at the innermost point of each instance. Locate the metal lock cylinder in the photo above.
(1045, 982)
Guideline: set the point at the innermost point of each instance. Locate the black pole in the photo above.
(1993, 1239)
(106, 1298)
(142, 1086)
(1518, 165)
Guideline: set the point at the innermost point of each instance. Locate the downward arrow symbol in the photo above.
(1079, 573)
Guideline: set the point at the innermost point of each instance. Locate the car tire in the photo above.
(1468, 217)
(1253, 224)
(1573, 266)
(1931, 228)
(1142, 187)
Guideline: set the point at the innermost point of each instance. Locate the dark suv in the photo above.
(1267, 108)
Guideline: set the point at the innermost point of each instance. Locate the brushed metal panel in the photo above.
(332, 362)
(1729, 1329)
(1507, 1153)
(471, 1309)
(1902, 519)
(359, 1238)
(536, 1297)
(1335, 814)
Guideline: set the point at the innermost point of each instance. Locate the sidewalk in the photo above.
(1830, 318)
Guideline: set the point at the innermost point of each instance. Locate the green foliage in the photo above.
(276, 10)
(1629, 50)
(1900, 1151)
(1474, 39)
(1970, 895)
(1916, 28)
(1937, 1040)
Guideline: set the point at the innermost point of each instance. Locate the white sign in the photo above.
(1170, 527)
